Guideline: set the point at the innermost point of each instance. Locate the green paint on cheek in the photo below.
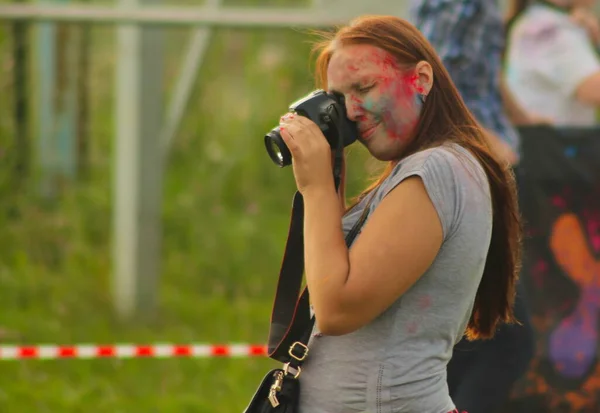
(369, 105)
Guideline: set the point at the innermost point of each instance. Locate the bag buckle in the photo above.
(303, 349)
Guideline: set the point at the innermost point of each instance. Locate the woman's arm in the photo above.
(396, 246)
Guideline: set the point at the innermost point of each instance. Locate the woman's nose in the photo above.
(354, 111)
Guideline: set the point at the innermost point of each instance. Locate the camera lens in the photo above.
(277, 149)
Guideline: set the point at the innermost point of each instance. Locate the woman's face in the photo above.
(382, 99)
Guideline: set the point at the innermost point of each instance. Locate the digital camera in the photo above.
(328, 111)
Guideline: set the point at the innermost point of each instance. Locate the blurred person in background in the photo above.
(553, 59)
(469, 37)
(432, 260)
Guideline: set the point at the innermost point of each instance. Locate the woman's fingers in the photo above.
(289, 140)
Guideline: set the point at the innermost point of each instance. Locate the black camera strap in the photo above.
(291, 321)
(338, 161)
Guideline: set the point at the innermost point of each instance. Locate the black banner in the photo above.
(559, 185)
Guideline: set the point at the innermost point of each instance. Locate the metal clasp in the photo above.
(275, 388)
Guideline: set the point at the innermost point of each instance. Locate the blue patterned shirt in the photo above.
(469, 37)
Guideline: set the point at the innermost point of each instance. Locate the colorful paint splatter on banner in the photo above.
(559, 181)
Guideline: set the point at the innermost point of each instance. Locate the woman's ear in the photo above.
(424, 73)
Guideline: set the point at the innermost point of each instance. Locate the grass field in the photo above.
(225, 217)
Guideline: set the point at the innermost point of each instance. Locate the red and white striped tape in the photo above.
(91, 351)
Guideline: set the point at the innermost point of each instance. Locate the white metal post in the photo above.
(138, 168)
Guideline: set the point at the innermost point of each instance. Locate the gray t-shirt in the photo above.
(397, 363)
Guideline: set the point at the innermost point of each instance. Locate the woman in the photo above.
(438, 255)
(553, 60)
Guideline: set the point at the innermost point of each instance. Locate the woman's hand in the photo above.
(311, 153)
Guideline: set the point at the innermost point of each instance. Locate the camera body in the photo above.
(328, 111)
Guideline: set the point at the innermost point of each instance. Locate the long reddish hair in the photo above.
(445, 118)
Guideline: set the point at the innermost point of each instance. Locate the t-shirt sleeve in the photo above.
(452, 178)
(566, 58)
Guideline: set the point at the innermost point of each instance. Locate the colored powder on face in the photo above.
(395, 102)
(368, 105)
(394, 99)
(403, 107)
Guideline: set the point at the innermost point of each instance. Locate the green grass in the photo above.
(225, 217)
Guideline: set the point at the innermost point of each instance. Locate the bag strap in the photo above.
(291, 323)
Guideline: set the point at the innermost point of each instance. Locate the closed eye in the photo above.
(365, 89)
